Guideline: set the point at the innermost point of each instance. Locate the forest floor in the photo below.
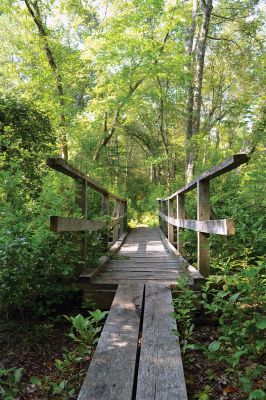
(208, 379)
(35, 347)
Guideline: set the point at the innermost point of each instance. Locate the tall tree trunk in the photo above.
(195, 98)
(163, 133)
(34, 11)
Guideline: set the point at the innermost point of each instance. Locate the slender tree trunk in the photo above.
(163, 133)
(195, 90)
(34, 11)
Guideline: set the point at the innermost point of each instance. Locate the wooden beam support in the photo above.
(181, 214)
(224, 227)
(105, 204)
(203, 213)
(62, 166)
(116, 217)
(105, 211)
(81, 201)
(228, 165)
(169, 225)
(62, 224)
(125, 217)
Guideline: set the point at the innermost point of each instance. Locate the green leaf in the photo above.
(261, 324)
(35, 380)
(258, 394)
(234, 297)
(18, 374)
(214, 346)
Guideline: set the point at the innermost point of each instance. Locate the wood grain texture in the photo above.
(218, 226)
(203, 213)
(144, 258)
(160, 374)
(111, 372)
(64, 224)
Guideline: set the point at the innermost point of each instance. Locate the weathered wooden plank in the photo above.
(170, 226)
(81, 202)
(203, 213)
(160, 375)
(64, 224)
(180, 214)
(62, 166)
(218, 226)
(194, 274)
(111, 372)
(228, 165)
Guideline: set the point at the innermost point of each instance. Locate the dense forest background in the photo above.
(142, 95)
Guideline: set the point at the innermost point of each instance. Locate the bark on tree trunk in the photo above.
(195, 90)
(34, 11)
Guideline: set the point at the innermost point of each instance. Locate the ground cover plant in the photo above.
(142, 96)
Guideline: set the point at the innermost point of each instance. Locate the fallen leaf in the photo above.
(230, 389)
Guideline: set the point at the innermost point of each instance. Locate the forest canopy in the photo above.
(142, 96)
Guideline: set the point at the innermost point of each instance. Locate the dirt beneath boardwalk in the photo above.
(208, 379)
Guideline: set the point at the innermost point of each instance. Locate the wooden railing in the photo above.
(204, 225)
(117, 222)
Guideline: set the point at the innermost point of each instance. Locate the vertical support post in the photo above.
(105, 211)
(121, 212)
(165, 212)
(125, 217)
(159, 218)
(181, 214)
(170, 227)
(81, 201)
(115, 215)
(203, 213)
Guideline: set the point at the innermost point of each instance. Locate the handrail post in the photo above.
(169, 225)
(159, 217)
(125, 217)
(121, 212)
(181, 214)
(116, 214)
(165, 212)
(203, 213)
(105, 211)
(81, 201)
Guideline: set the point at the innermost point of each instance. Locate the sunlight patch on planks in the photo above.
(138, 356)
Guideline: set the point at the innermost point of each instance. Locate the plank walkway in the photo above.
(142, 258)
(138, 356)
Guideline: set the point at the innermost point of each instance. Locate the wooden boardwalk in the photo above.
(142, 258)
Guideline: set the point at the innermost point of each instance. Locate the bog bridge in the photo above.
(138, 356)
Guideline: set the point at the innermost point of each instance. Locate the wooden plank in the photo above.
(228, 165)
(118, 244)
(81, 202)
(111, 372)
(160, 375)
(203, 213)
(62, 166)
(170, 226)
(116, 217)
(180, 214)
(218, 226)
(195, 275)
(64, 224)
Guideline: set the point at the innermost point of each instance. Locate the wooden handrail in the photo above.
(118, 220)
(62, 166)
(228, 165)
(204, 225)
